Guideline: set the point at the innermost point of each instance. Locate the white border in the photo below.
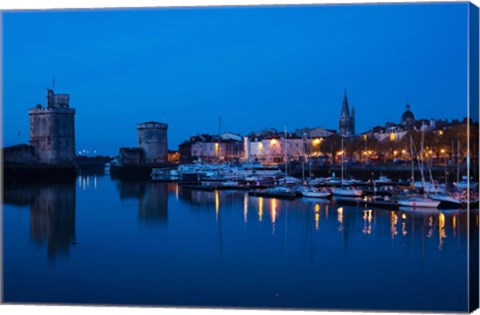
(87, 4)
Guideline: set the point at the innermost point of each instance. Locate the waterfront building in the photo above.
(346, 123)
(52, 130)
(275, 148)
(211, 148)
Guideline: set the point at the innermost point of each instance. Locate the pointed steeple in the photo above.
(345, 109)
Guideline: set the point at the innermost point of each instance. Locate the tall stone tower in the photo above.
(346, 123)
(52, 130)
(152, 139)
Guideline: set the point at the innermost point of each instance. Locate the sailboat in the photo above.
(344, 191)
(418, 201)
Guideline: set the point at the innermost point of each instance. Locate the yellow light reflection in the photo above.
(273, 209)
(441, 230)
(340, 215)
(326, 212)
(454, 225)
(217, 204)
(430, 225)
(317, 220)
(260, 209)
(367, 222)
(393, 224)
(245, 207)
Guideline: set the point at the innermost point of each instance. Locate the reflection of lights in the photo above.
(367, 221)
(340, 218)
(404, 228)
(95, 182)
(177, 191)
(317, 207)
(454, 224)
(317, 220)
(393, 223)
(217, 203)
(430, 224)
(245, 207)
(340, 214)
(260, 209)
(273, 209)
(326, 212)
(441, 229)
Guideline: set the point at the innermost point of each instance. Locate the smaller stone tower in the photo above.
(52, 130)
(152, 139)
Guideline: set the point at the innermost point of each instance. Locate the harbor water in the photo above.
(110, 242)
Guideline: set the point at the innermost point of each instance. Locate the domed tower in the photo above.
(407, 117)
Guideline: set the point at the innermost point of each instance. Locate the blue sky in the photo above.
(257, 67)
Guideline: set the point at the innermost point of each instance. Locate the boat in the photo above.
(274, 192)
(314, 192)
(418, 202)
(465, 183)
(449, 201)
(347, 192)
(316, 181)
(382, 180)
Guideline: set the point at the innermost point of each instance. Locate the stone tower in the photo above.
(152, 139)
(346, 123)
(52, 130)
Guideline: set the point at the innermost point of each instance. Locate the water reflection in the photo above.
(152, 200)
(52, 214)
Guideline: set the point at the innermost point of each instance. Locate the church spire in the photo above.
(345, 109)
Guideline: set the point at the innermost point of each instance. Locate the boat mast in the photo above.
(286, 156)
(341, 169)
(458, 161)
(412, 178)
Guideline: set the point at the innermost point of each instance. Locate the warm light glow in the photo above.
(317, 221)
(245, 207)
(441, 229)
(260, 209)
(440, 132)
(393, 224)
(340, 215)
(273, 209)
(404, 151)
(365, 137)
(317, 141)
(339, 152)
(317, 207)
(392, 137)
(442, 151)
(395, 152)
(217, 203)
(273, 141)
(260, 146)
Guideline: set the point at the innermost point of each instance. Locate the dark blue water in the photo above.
(101, 241)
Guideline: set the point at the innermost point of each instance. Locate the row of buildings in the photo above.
(52, 139)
